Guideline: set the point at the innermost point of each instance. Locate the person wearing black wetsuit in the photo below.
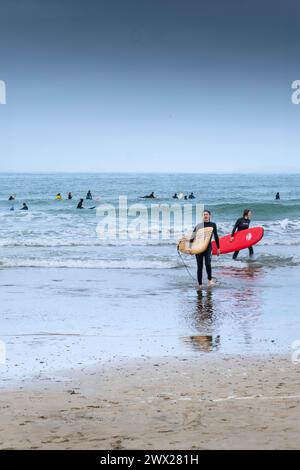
(207, 254)
(80, 204)
(24, 207)
(277, 197)
(149, 196)
(242, 224)
(89, 195)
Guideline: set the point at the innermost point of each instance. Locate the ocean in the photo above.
(55, 234)
(70, 297)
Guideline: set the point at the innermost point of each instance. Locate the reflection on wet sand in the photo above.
(229, 311)
(203, 343)
(242, 273)
(204, 308)
(203, 318)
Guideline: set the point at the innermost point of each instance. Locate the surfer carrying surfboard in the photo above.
(206, 255)
(242, 223)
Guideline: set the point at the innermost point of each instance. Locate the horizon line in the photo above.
(241, 172)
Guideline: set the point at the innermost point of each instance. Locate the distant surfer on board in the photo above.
(149, 196)
(242, 223)
(206, 255)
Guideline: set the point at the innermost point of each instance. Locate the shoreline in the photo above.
(160, 403)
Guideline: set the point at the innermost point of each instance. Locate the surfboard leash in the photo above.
(186, 267)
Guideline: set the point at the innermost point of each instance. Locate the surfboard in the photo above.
(242, 239)
(200, 243)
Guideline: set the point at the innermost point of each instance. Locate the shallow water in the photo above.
(61, 318)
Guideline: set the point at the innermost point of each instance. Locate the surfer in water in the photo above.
(24, 207)
(242, 223)
(206, 255)
(277, 197)
(80, 204)
(149, 196)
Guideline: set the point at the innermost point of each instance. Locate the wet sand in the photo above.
(209, 402)
(54, 319)
(137, 359)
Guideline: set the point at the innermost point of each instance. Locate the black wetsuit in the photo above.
(241, 224)
(207, 254)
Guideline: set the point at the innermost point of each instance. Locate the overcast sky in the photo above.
(149, 85)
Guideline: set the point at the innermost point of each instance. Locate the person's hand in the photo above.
(231, 238)
(218, 252)
(189, 251)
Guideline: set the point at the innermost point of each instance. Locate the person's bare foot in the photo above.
(199, 287)
(211, 283)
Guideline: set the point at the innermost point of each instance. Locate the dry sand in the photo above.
(210, 402)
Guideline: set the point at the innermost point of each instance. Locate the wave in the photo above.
(145, 263)
(260, 261)
(90, 263)
(83, 243)
(263, 212)
(270, 239)
(265, 261)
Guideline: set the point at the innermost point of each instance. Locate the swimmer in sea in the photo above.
(149, 196)
(80, 204)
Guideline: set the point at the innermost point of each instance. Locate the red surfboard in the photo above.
(242, 239)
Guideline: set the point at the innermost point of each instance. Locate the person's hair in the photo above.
(246, 212)
(206, 210)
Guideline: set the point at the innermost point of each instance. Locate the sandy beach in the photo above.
(179, 403)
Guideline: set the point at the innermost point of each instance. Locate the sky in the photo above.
(149, 85)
